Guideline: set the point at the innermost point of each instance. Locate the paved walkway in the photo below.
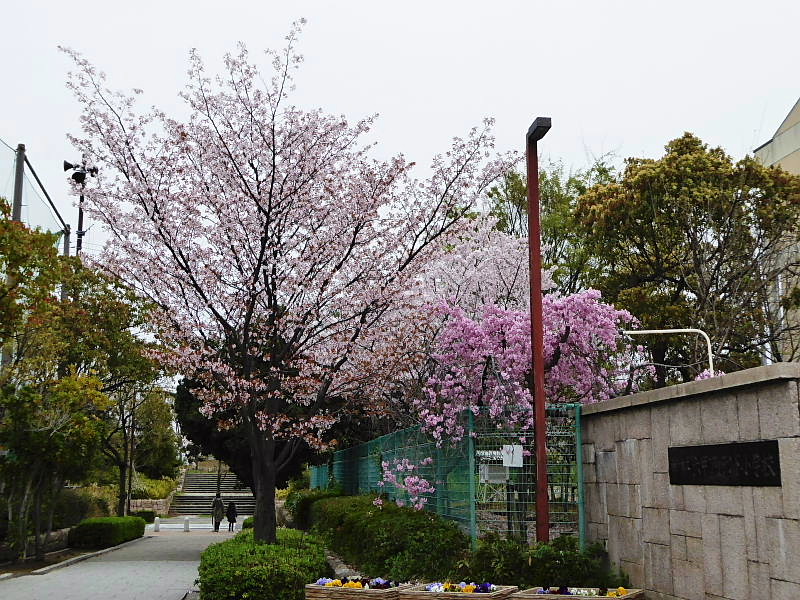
(160, 566)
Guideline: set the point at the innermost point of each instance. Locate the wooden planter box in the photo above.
(321, 592)
(531, 594)
(418, 592)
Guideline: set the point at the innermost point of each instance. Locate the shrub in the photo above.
(499, 560)
(104, 498)
(71, 507)
(146, 488)
(299, 502)
(558, 563)
(149, 516)
(102, 532)
(249, 523)
(301, 482)
(240, 568)
(399, 543)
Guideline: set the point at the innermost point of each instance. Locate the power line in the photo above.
(31, 190)
(6, 145)
(53, 206)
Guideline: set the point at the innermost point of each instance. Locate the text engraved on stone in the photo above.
(742, 463)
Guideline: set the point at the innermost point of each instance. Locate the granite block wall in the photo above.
(697, 542)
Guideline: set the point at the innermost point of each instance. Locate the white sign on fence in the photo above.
(512, 456)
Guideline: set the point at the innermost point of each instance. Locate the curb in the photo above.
(82, 557)
(6, 576)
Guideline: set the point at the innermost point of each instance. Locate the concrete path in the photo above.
(160, 566)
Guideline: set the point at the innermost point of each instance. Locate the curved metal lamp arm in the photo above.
(668, 331)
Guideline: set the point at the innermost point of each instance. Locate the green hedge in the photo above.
(392, 542)
(299, 502)
(240, 568)
(249, 523)
(149, 516)
(561, 562)
(102, 532)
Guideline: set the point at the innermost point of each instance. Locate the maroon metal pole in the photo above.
(536, 132)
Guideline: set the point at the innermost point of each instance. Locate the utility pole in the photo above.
(16, 207)
(16, 215)
(79, 172)
(66, 253)
(80, 232)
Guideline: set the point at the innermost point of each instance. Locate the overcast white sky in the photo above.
(620, 76)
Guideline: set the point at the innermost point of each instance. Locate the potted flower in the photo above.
(448, 590)
(565, 592)
(353, 587)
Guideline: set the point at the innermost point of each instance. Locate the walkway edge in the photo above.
(82, 557)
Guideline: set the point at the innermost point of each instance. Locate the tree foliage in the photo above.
(157, 444)
(564, 255)
(694, 239)
(51, 432)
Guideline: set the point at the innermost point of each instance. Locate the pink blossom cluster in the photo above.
(400, 474)
(285, 262)
(485, 362)
(708, 374)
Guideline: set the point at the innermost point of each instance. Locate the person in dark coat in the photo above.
(217, 511)
(231, 515)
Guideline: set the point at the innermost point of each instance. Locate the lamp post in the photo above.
(537, 130)
(79, 172)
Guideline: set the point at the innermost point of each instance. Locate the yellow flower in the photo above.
(470, 588)
(621, 591)
(353, 584)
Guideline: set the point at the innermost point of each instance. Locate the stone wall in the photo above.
(161, 506)
(697, 542)
(57, 541)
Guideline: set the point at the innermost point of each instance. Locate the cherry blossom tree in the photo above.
(484, 361)
(485, 267)
(275, 248)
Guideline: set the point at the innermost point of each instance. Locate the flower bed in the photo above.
(345, 589)
(443, 591)
(537, 593)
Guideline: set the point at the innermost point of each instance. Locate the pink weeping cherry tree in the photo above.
(274, 248)
(484, 361)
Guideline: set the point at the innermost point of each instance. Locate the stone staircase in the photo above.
(198, 491)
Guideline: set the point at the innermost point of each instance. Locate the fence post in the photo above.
(579, 464)
(440, 482)
(473, 500)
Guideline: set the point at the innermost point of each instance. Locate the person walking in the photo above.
(231, 515)
(217, 511)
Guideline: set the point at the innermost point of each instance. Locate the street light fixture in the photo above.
(79, 172)
(537, 130)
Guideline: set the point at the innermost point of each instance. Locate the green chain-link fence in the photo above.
(472, 485)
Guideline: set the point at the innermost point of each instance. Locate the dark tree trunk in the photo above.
(659, 357)
(54, 489)
(131, 463)
(38, 548)
(264, 472)
(123, 482)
